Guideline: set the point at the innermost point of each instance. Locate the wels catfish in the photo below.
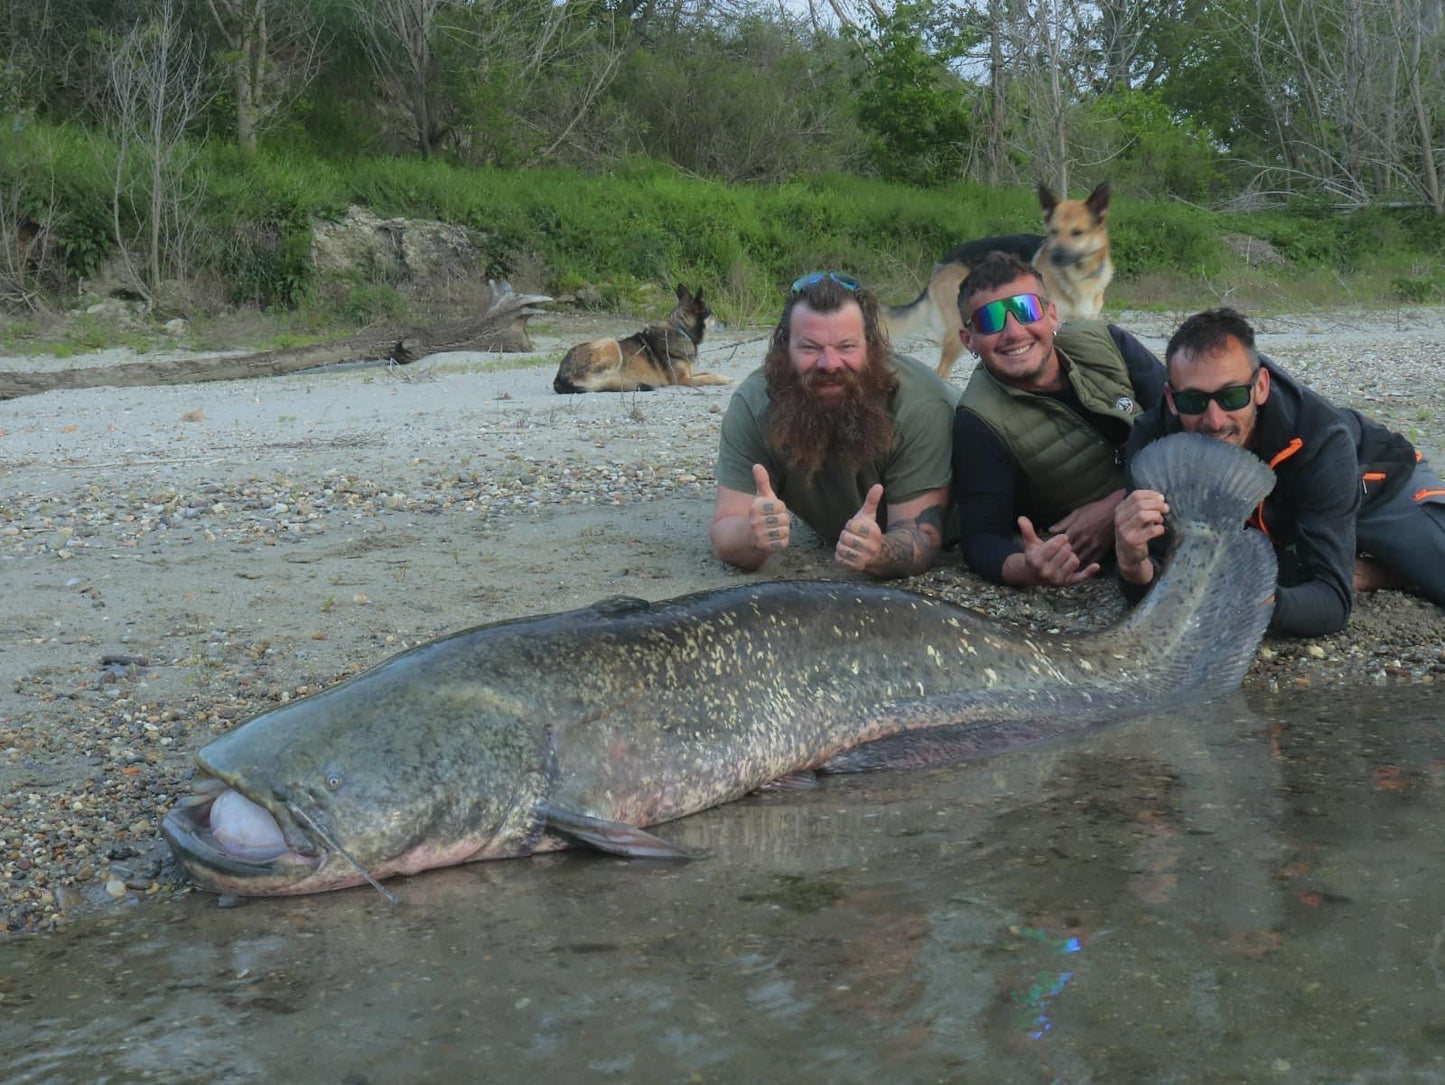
(585, 727)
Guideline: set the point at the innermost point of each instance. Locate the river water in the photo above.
(1250, 891)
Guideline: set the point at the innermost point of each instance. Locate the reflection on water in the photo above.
(1248, 892)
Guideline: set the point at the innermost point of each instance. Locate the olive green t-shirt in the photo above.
(919, 460)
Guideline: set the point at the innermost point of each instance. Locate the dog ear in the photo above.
(682, 294)
(1046, 200)
(697, 297)
(1098, 201)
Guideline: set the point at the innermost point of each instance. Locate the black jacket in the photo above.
(1328, 462)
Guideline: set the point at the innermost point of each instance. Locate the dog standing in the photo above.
(1072, 259)
(658, 355)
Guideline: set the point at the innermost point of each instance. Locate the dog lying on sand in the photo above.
(1072, 258)
(658, 355)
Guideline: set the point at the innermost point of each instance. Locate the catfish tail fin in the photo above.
(1202, 621)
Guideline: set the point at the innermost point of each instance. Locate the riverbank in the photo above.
(175, 559)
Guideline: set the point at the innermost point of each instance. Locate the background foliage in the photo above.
(730, 142)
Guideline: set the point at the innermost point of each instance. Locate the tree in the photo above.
(524, 80)
(911, 103)
(156, 95)
(272, 51)
(399, 37)
(1352, 93)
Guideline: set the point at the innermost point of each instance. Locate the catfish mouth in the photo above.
(231, 844)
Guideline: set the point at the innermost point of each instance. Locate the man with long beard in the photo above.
(838, 430)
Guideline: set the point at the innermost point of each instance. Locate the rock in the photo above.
(589, 297)
(394, 250)
(1255, 251)
(118, 310)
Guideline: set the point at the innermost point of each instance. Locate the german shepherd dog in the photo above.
(1072, 259)
(658, 355)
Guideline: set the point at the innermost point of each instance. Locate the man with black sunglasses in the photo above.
(835, 429)
(1354, 506)
(1039, 433)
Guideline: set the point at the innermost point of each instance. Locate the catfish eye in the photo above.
(333, 780)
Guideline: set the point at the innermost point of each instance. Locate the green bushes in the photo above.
(58, 177)
(644, 226)
(1157, 235)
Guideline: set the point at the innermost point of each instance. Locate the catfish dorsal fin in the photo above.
(620, 604)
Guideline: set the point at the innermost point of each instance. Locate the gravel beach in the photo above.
(175, 559)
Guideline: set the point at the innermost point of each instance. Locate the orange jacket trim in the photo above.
(1257, 516)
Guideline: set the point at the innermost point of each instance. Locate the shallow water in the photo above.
(1249, 892)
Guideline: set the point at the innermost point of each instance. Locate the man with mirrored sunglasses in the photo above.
(1354, 506)
(1039, 433)
(840, 432)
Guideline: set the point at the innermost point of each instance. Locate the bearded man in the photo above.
(841, 432)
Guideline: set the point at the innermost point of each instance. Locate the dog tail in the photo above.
(905, 321)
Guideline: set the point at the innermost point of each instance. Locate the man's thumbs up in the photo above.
(1051, 561)
(763, 483)
(768, 517)
(861, 539)
(870, 502)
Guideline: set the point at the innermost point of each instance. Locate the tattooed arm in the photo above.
(913, 538)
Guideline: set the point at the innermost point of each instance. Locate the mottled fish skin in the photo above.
(639, 713)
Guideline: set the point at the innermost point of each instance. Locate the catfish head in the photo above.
(412, 765)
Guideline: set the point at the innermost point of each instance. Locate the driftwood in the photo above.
(503, 327)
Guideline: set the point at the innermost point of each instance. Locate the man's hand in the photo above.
(1052, 561)
(768, 518)
(861, 538)
(1138, 519)
(1090, 527)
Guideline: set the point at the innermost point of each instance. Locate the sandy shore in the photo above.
(174, 559)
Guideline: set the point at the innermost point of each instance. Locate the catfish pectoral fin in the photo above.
(610, 836)
(792, 781)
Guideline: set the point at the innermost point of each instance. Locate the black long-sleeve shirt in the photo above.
(987, 479)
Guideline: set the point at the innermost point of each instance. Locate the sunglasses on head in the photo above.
(990, 318)
(1235, 397)
(802, 282)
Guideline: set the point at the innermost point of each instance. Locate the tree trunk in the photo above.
(503, 327)
(250, 73)
(998, 92)
(1430, 174)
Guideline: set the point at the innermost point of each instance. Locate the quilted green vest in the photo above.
(1064, 462)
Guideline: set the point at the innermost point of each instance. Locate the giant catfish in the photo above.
(585, 727)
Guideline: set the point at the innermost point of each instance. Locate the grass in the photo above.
(629, 235)
(82, 333)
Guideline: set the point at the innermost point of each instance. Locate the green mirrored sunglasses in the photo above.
(989, 319)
